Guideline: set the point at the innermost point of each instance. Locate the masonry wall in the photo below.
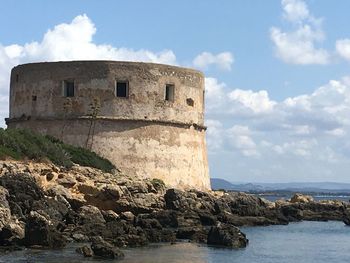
(143, 134)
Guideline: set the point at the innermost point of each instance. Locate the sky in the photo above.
(277, 71)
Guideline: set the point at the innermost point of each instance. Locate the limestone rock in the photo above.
(12, 234)
(128, 216)
(226, 235)
(23, 191)
(90, 214)
(40, 232)
(5, 212)
(67, 181)
(104, 249)
(300, 198)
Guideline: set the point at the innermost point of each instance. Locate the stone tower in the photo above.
(147, 119)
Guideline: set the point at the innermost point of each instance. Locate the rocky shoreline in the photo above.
(45, 206)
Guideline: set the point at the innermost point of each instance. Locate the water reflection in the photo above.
(176, 253)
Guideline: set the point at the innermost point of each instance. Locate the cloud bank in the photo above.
(299, 45)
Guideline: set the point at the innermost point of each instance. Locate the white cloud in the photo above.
(257, 102)
(214, 135)
(222, 60)
(309, 127)
(214, 94)
(240, 138)
(343, 48)
(295, 10)
(299, 46)
(74, 41)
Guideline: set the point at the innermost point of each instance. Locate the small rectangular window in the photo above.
(169, 92)
(122, 89)
(68, 88)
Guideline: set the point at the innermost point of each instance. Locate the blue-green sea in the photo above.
(304, 242)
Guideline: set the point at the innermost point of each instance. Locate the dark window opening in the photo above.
(190, 102)
(169, 92)
(68, 88)
(34, 98)
(122, 89)
(17, 77)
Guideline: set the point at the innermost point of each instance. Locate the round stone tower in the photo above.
(146, 118)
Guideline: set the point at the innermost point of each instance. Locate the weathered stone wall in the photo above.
(143, 134)
(97, 79)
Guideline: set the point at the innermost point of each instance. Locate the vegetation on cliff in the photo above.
(25, 144)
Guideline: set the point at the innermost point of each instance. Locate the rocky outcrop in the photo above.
(300, 198)
(226, 235)
(43, 205)
(104, 249)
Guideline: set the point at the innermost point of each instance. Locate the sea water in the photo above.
(304, 242)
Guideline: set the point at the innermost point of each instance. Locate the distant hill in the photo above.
(331, 187)
(218, 183)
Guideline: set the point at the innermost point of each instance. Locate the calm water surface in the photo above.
(303, 242)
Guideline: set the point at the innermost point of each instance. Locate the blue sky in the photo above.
(259, 57)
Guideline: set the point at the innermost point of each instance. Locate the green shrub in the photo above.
(21, 143)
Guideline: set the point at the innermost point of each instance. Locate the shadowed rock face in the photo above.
(114, 211)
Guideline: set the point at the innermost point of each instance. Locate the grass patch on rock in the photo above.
(25, 144)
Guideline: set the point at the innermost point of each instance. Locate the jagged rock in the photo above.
(226, 235)
(196, 234)
(245, 204)
(128, 216)
(12, 234)
(67, 181)
(40, 232)
(90, 214)
(167, 218)
(85, 251)
(207, 219)
(23, 191)
(110, 215)
(300, 198)
(55, 190)
(178, 200)
(292, 213)
(104, 249)
(5, 212)
(137, 187)
(127, 211)
(110, 192)
(80, 237)
(51, 208)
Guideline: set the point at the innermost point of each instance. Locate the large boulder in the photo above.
(227, 236)
(23, 191)
(106, 250)
(12, 234)
(40, 232)
(245, 204)
(300, 198)
(90, 214)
